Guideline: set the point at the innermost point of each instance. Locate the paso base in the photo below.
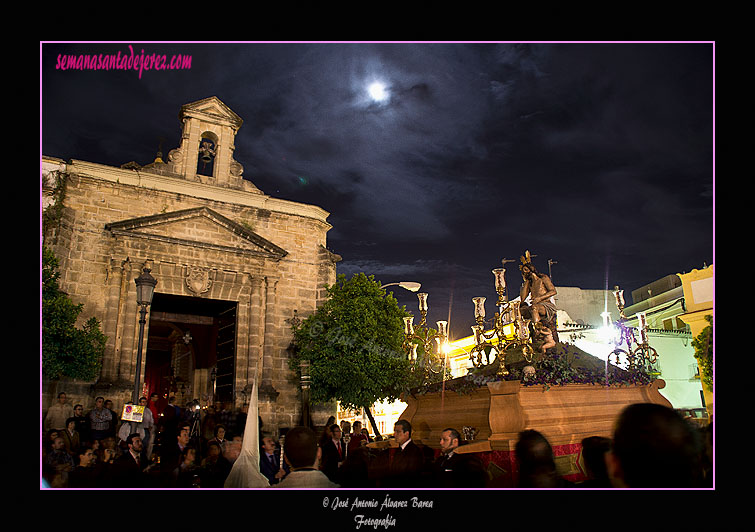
(499, 411)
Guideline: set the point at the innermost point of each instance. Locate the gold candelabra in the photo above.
(419, 334)
(637, 353)
(507, 330)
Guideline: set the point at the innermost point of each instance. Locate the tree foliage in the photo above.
(67, 351)
(353, 345)
(703, 345)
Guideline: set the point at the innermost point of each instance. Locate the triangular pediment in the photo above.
(213, 109)
(199, 227)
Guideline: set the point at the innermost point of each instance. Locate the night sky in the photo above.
(599, 156)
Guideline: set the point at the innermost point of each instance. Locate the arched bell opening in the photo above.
(206, 154)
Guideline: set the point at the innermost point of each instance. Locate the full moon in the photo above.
(377, 91)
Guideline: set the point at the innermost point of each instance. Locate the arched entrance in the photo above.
(191, 349)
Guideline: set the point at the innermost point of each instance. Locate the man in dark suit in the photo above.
(270, 461)
(128, 469)
(454, 470)
(402, 466)
(89, 473)
(333, 453)
(170, 452)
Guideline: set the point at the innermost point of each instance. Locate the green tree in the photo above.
(703, 345)
(67, 351)
(353, 344)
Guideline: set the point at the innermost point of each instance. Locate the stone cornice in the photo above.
(194, 243)
(147, 180)
(132, 227)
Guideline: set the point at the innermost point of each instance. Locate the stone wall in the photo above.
(272, 262)
(585, 306)
(214, 236)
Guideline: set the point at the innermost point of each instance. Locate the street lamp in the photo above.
(407, 285)
(145, 289)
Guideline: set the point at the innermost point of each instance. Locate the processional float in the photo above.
(506, 330)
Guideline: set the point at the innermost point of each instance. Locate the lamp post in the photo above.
(305, 381)
(145, 289)
(213, 378)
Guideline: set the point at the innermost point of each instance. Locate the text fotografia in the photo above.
(126, 61)
(386, 504)
(374, 522)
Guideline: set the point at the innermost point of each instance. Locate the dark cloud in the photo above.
(598, 156)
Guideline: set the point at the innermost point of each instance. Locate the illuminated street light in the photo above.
(407, 285)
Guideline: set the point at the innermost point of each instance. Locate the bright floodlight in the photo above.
(377, 91)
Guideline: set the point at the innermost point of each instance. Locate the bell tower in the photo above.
(207, 144)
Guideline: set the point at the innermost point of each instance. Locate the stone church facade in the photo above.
(233, 266)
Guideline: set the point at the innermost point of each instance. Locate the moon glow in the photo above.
(377, 91)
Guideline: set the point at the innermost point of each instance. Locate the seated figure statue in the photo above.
(541, 309)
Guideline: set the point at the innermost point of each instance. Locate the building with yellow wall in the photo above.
(699, 295)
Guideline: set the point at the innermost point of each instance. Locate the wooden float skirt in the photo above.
(501, 410)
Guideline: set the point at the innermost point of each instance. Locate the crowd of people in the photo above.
(652, 446)
(171, 446)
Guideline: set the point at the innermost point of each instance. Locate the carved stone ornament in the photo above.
(198, 279)
(175, 156)
(236, 168)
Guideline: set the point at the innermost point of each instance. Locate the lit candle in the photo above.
(479, 307)
(422, 301)
(619, 295)
(500, 279)
(514, 314)
(408, 325)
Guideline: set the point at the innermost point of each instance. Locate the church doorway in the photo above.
(191, 349)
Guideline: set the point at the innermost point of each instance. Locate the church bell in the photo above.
(207, 152)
